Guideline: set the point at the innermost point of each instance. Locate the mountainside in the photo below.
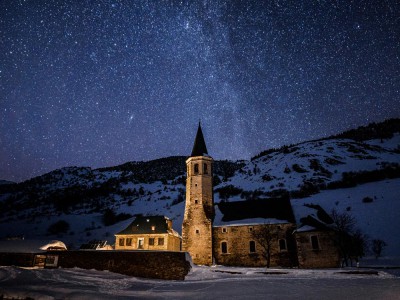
(357, 171)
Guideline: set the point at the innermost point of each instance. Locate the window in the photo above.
(250, 229)
(196, 168)
(205, 169)
(160, 241)
(140, 243)
(153, 228)
(282, 245)
(252, 246)
(197, 231)
(196, 201)
(314, 242)
(121, 242)
(151, 241)
(129, 241)
(224, 229)
(224, 247)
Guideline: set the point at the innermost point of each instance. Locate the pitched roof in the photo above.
(273, 210)
(319, 220)
(93, 245)
(144, 225)
(199, 147)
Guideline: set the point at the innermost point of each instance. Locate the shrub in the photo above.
(110, 217)
(58, 227)
(367, 200)
(299, 169)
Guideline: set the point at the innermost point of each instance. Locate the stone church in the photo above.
(228, 233)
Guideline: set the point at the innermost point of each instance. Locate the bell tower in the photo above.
(199, 205)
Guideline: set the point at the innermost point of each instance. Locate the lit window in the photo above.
(153, 228)
(224, 247)
(282, 245)
(252, 246)
(121, 242)
(140, 243)
(160, 241)
(314, 242)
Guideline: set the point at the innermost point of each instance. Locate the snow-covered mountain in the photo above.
(357, 171)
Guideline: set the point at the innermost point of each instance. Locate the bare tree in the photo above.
(265, 236)
(350, 241)
(377, 247)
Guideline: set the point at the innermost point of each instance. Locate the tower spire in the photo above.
(199, 147)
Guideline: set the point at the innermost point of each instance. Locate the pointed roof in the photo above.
(199, 147)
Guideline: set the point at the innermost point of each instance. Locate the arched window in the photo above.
(205, 168)
(196, 168)
(252, 246)
(224, 247)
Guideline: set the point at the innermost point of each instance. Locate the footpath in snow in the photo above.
(216, 282)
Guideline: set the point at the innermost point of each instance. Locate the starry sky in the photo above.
(100, 83)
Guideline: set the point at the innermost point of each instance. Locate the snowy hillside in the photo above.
(359, 176)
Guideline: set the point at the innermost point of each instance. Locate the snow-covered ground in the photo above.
(201, 283)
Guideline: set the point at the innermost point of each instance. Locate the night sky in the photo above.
(100, 83)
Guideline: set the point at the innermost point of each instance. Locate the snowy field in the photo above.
(201, 283)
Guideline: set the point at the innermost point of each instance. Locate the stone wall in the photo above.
(326, 256)
(238, 237)
(147, 264)
(18, 259)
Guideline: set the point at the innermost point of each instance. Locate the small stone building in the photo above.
(315, 240)
(29, 253)
(148, 233)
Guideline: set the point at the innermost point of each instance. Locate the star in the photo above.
(259, 74)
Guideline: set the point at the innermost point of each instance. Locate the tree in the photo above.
(350, 241)
(264, 236)
(58, 227)
(377, 247)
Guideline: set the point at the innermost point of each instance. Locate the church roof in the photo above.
(260, 211)
(199, 147)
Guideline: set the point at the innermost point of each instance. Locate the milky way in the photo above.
(99, 83)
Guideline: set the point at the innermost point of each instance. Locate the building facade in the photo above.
(260, 232)
(236, 245)
(148, 233)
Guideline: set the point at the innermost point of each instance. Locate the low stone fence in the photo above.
(147, 264)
